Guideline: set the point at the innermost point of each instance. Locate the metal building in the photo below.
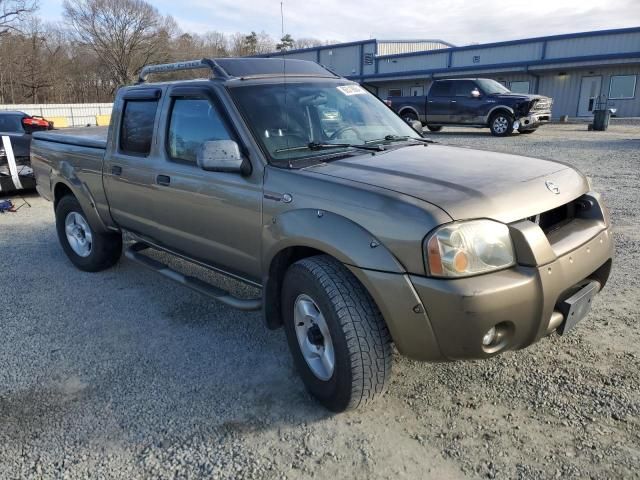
(578, 69)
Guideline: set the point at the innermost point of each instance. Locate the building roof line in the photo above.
(497, 66)
(453, 48)
(417, 40)
(564, 36)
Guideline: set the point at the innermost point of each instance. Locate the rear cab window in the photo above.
(441, 88)
(11, 123)
(136, 127)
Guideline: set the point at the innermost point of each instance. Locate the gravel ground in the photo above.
(122, 374)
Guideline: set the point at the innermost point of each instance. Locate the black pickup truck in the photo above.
(478, 102)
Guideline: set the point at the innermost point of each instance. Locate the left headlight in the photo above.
(462, 249)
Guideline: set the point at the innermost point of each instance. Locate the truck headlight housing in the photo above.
(472, 247)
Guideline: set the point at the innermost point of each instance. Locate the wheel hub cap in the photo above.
(500, 124)
(78, 234)
(314, 338)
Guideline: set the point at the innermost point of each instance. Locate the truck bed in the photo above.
(76, 156)
(91, 137)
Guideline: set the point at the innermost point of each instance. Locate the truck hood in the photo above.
(465, 183)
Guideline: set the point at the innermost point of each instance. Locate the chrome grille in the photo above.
(556, 218)
(542, 104)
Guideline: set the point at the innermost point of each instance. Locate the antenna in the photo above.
(284, 72)
(282, 19)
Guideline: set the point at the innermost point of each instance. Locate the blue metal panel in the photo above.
(502, 66)
(399, 64)
(599, 45)
(342, 60)
(480, 55)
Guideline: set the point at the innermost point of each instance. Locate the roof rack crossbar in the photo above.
(209, 63)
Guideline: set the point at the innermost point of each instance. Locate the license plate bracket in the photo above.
(577, 306)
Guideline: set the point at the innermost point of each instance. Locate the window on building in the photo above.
(395, 92)
(519, 87)
(441, 88)
(193, 122)
(622, 86)
(136, 130)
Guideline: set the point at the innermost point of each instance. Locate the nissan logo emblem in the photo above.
(552, 187)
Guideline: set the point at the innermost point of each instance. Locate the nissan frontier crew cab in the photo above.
(358, 231)
(478, 102)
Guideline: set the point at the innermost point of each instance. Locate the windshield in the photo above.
(293, 125)
(491, 86)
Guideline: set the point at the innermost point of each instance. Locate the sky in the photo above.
(456, 21)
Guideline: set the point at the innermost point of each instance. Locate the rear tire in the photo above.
(328, 296)
(434, 128)
(501, 124)
(527, 131)
(87, 249)
(409, 116)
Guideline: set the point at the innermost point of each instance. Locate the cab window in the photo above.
(136, 130)
(193, 122)
(463, 88)
(441, 89)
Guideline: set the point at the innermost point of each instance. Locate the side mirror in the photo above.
(220, 156)
(475, 93)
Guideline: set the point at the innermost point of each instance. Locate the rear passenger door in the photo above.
(439, 102)
(128, 169)
(213, 217)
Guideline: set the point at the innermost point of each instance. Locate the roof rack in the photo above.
(209, 63)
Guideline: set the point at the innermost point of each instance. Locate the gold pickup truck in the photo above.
(359, 232)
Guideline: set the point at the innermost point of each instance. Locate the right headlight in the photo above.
(467, 248)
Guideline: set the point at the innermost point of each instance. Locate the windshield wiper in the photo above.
(323, 146)
(398, 138)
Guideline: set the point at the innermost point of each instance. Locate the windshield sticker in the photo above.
(351, 89)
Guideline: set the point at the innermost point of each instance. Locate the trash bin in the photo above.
(601, 119)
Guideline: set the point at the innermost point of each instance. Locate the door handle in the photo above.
(163, 180)
(116, 170)
(454, 101)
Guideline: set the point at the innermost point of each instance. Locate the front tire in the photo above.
(338, 339)
(434, 128)
(87, 249)
(501, 124)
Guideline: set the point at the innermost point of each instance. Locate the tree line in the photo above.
(102, 45)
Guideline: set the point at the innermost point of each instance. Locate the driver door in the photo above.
(466, 108)
(214, 217)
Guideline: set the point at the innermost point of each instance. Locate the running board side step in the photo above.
(133, 253)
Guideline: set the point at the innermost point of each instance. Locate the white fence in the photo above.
(77, 114)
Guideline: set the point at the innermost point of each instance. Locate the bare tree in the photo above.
(124, 34)
(307, 43)
(12, 11)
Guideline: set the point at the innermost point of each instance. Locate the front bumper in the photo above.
(534, 120)
(435, 319)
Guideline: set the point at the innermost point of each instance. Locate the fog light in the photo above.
(489, 337)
